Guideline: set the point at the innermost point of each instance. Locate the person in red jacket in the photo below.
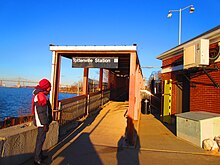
(41, 108)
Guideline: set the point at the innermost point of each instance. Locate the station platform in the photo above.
(100, 139)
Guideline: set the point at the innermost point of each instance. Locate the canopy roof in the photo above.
(122, 52)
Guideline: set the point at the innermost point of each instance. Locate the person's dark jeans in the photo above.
(41, 136)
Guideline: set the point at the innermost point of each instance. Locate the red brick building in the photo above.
(191, 75)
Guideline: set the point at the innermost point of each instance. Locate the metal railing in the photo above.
(70, 109)
(94, 101)
(75, 108)
(106, 96)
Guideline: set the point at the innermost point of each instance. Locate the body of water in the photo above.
(16, 102)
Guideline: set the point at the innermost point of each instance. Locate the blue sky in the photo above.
(27, 27)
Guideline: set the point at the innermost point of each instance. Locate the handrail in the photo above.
(70, 109)
(76, 107)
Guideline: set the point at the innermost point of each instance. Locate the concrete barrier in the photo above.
(17, 143)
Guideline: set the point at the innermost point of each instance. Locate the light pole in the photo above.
(191, 10)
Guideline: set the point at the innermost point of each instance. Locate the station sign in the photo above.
(95, 62)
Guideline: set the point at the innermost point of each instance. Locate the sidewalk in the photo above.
(161, 146)
(99, 140)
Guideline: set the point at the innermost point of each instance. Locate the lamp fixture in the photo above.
(191, 10)
(169, 14)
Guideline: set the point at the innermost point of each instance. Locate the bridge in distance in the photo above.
(17, 82)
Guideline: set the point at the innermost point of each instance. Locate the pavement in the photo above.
(100, 140)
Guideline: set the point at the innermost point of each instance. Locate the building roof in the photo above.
(213, 35)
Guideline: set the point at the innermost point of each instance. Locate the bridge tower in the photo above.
(19, 84)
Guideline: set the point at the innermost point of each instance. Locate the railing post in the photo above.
(102, 97)
(87, 104)
(59, 113)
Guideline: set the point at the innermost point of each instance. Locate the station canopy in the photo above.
(113, 58)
